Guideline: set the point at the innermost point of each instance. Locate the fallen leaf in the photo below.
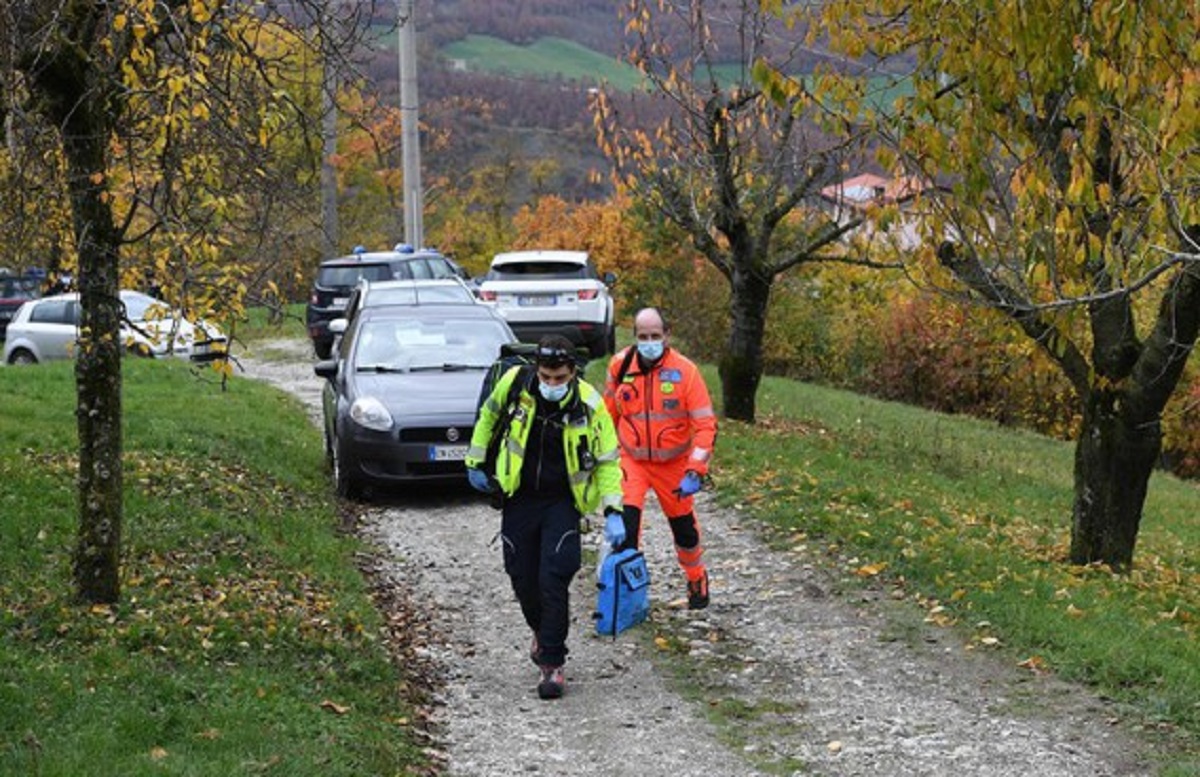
(333, 706)
(157, 753)
(834, 747)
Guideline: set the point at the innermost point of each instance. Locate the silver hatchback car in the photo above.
(48, 328)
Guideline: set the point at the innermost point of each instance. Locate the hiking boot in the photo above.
(698, 592)
(535, 651)
(553, 682)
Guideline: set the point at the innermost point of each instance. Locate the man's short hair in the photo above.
(555, 351)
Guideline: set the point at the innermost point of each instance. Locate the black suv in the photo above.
(336, 278)
(14, 291)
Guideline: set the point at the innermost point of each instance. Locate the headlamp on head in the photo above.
(553, 357)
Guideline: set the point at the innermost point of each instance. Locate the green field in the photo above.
(545, 58)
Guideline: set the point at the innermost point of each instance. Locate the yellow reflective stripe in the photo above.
(514, 446)
(476, 452)
(613, 455)
(612, 500)
(580, 477)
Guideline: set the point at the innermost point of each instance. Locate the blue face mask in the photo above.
(553, 393)
(650, 350)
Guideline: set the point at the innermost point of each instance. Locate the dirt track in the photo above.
(799, 677)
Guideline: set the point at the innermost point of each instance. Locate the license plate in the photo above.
(536, 300)
(340, 302)
(447, 452)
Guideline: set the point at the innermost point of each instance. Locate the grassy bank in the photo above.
(246, 639)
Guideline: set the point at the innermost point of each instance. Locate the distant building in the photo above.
(856, 197)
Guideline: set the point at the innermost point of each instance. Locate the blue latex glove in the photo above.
(689, 485)
(478, 480)
(614, 528)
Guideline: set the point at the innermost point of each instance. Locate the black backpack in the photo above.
(511, 355)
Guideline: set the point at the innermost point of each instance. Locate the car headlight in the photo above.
(369, 412)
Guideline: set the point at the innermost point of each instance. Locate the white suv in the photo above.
(553, 292)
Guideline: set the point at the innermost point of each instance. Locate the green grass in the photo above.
(972, 522)
(246, 639)
(262, 324)
(544, 58)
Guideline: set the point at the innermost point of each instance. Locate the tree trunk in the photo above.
(1114, 457)
(86, 131)
(742, 364)
(1121, 437)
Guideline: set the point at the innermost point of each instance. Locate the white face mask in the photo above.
(650, 350)
(553, 393)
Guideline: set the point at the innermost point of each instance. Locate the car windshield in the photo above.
(515, 270)
(19, 287)
(410, 345)
(348, 275)
(140, 307)
(412, 295)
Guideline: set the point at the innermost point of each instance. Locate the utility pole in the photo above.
(414, 226)
(329, 193)
(329, 119)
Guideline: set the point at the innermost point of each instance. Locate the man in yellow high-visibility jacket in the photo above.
(557, 461)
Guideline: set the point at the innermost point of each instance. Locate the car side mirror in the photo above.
(326, 369)
(609, 278)
(337, 326)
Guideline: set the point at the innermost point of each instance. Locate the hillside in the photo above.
(510, 80)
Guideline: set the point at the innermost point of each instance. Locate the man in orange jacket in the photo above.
(667, 428)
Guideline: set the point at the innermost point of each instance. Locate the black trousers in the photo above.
(542, 553)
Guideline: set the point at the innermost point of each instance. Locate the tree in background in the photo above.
(153, 108)
(1067, 135)
(734, 169)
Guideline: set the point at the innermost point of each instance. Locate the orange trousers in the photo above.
(638, 477)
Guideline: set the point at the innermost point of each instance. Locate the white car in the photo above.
(553, 292)
(48, 328)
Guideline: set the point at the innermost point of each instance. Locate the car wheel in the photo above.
(612, 339)
(600, 347)
(329, 463)
(22, 356)
(322, 349)
(345, 484)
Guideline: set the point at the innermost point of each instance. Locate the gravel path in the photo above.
(789, 671)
